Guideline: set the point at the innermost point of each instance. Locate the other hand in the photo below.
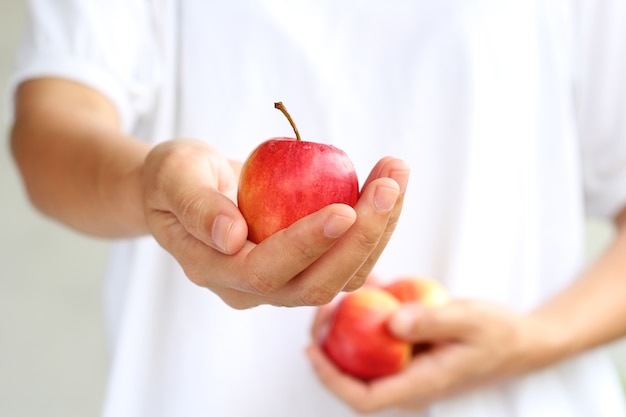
(474, 343)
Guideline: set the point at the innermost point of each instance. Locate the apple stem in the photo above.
(279, 105)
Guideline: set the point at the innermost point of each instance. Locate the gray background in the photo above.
(52, 350)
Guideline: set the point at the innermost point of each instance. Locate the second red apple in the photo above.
(358, 340)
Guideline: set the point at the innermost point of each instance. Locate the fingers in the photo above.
(189, 192)
(259, 274)
(278, 259)
(395, 391)
(419, 323)
(195, 184)
(398, 171)
(390, 167)
(295, 265)
(322, 280)
(427, 378)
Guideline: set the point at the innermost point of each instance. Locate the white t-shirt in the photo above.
(508, 112)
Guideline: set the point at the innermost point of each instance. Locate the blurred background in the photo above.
(52, 354)
(52, 351)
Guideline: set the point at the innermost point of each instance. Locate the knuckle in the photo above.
(165, 159)
(262, 284)
(355, 283)
(164, 227)
(192, 210)
(317, 296)
(367, 239)
(303, 250)
(194, 274)
(391, 226)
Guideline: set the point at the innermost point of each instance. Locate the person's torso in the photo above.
(474, 95)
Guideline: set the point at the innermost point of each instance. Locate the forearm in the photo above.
(77, 165)
(590, 312)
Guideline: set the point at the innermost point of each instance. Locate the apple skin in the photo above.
(285, 179)
(358, 341)
(418, 289)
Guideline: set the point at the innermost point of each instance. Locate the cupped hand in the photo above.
(474, 343)
(189, 204)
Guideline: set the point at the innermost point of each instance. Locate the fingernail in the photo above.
(385, 197)
(337, 225)
(221, 229)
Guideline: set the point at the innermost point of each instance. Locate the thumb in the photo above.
(225, 229)
(419, 323)
(188, 183)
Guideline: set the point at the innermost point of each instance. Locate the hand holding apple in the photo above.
(480, 343)
(189, 190)
(358, 340)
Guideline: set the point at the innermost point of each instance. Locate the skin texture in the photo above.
(82, 170)
(480, 343)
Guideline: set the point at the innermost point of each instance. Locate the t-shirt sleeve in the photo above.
(111, 46)
(601, 104)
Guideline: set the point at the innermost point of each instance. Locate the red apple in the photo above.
(420, 289)
(358, 341)
(285, 179)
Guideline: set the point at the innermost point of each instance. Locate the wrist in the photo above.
(546, 341)
(123, 190)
